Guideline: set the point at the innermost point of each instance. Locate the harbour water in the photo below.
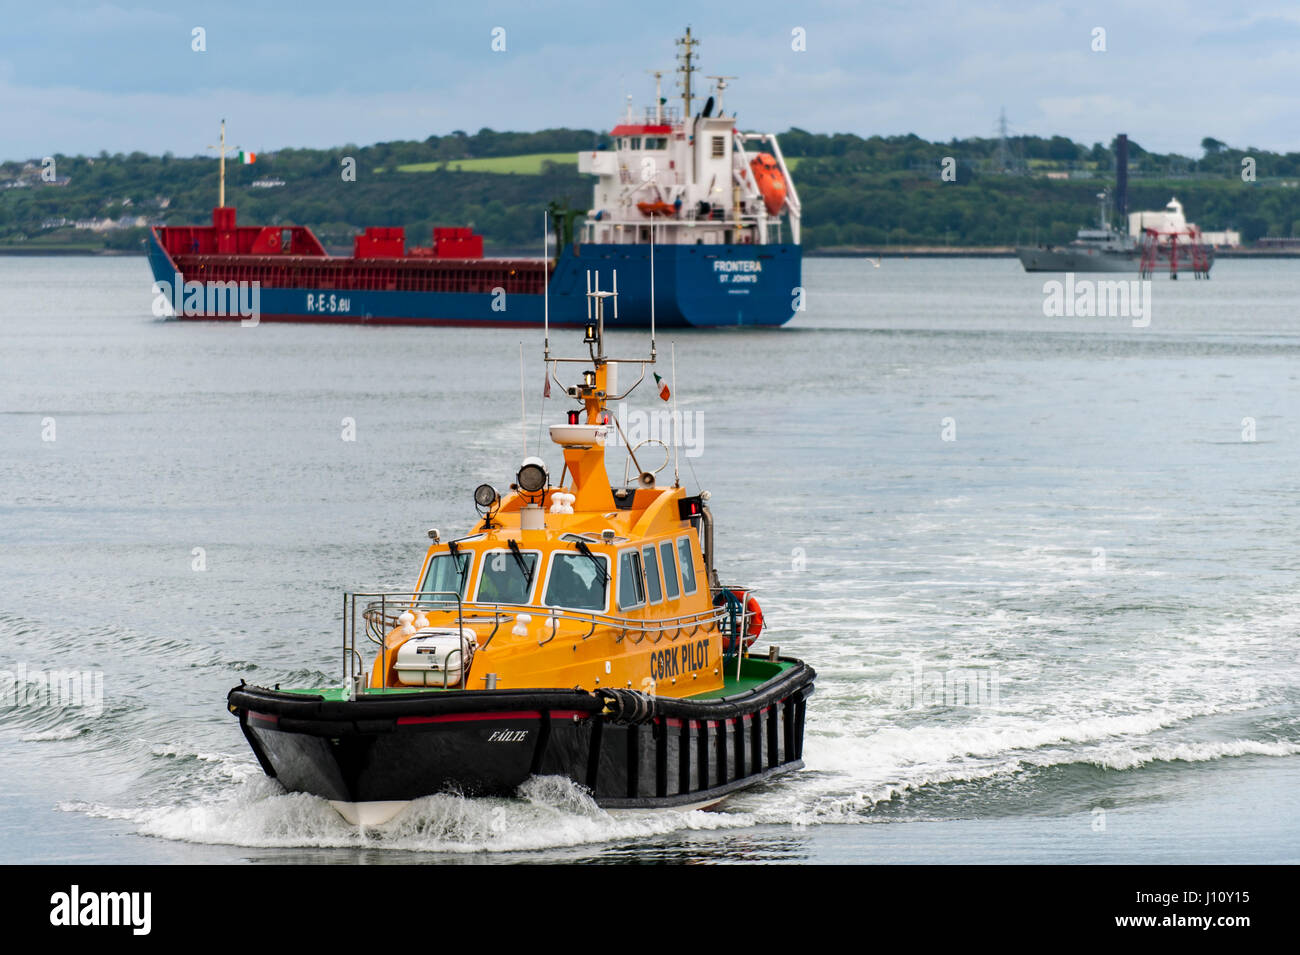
(1045, 566)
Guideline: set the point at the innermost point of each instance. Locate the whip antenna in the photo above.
(523, 411)
(652, 292)
(546, 301)
(677, 479)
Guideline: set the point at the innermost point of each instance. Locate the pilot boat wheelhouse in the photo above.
(579, 629)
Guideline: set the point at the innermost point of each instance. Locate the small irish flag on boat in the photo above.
(664, 393)
(247, 158)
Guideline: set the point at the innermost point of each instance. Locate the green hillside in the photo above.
(856, 191)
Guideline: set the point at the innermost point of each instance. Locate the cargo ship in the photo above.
(681, 194)
(1156, 241)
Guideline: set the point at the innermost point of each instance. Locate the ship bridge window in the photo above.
(636, 142)
(688, 564)
(631, 586)
(577, 581)
(670, 569)
(656, 142)
(652, 574)
(507, 577)
(444, 576)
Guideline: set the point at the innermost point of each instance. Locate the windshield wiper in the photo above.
(523, 568)
(600, 566)
(462, 566)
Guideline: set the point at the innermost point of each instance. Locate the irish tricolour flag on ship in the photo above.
(664, 393)
(247, 158)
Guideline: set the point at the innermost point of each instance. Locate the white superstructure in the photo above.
(696, 177)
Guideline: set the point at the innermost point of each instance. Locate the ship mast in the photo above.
(659, 97)
(221, 159)
(585, 460)
(688, 44)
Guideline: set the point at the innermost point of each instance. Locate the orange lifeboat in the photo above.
(657, 208)
(770, 182)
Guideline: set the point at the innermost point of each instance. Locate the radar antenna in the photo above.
(720, 84)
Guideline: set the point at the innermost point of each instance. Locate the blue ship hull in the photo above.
(695, 286)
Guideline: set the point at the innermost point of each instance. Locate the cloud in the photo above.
(121, 77)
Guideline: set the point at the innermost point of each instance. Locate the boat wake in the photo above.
(549, 812)
(849, 781)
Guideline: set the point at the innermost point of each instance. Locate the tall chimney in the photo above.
(1121, 180)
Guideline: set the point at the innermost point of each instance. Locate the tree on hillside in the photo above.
(1059, 147)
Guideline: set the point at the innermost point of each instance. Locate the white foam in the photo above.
(55, 735)
(550, 813)
(1191, 753)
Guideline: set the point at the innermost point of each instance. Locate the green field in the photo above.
(38, 247)
(530, 165)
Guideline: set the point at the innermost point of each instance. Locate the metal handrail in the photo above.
(381, 616)
(376, 614)
(474, 611)
(741, 626)
(464, 674)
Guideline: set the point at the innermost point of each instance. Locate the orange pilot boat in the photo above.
(578, 630)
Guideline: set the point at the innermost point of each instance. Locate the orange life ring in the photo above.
(753, 619)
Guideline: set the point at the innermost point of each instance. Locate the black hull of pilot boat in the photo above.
(631, 751)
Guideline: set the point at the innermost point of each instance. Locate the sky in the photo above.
(80, 77)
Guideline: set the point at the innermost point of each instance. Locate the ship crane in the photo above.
(1156, 240)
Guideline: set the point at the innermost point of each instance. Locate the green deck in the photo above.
(754, 672)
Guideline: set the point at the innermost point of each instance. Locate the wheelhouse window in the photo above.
(445, 575)
(652, 574)
(688, 564)
(578, 581)
(631, 590)
(670, 569)
(507, 577)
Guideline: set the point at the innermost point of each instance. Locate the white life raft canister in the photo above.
(435, 656)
